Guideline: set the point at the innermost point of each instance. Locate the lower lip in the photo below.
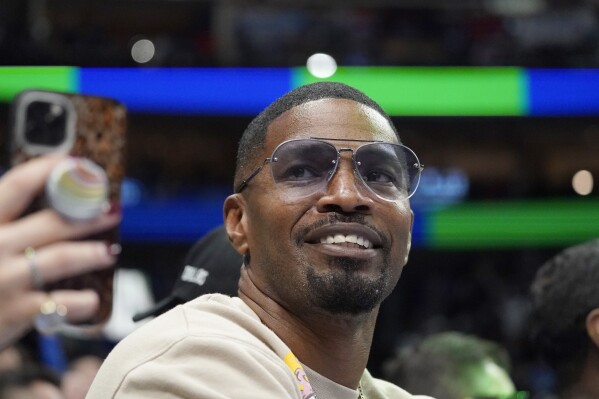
(343, 251)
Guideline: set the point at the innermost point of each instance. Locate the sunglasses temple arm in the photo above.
(245, 182)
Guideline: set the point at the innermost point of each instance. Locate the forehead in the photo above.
(330, 118)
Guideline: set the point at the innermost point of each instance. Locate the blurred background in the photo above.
(499, 99)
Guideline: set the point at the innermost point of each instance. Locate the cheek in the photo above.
(269, 224)
(402, 223)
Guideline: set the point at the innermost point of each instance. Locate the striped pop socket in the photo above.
(77, 189)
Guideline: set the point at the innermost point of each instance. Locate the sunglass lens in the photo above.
(387, 169)
(302, 167)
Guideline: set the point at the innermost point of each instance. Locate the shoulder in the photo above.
(189, 349)
(375, 388)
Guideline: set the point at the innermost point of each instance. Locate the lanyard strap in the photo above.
(300, 376)
(302, 379)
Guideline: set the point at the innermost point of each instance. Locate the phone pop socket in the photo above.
(77, 189)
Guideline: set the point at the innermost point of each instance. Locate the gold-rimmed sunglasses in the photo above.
(303, 167)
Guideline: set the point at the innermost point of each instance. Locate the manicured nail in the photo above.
(112, 208)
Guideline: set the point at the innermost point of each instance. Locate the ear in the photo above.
(592, 324)
(236, 222)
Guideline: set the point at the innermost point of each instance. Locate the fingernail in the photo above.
(112, 208)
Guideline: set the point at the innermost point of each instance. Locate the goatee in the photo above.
(343, 290)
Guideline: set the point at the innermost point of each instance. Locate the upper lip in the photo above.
(345, 229)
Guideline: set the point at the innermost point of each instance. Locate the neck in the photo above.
(335, 346)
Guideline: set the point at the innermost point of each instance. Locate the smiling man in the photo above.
(321, 215)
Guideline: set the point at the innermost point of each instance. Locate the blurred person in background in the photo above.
(210, 266)
(565, 319)
(452, 365)
(41, 248)
(321, 215)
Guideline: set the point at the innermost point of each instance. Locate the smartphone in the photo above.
(43, 122)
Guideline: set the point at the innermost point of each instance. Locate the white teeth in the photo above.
(352, 238)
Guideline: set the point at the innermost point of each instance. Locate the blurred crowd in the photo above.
(532, 33)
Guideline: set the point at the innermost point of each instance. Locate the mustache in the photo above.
(334, 218)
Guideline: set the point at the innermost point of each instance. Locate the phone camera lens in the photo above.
(45, 123)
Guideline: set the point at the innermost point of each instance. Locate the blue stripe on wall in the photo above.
(213, 91)
(174, 220)
(563, 92)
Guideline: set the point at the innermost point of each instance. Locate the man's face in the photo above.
(289, 261)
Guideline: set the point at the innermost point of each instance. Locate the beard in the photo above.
(342, 290)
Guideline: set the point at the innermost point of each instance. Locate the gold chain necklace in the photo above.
(361, 394)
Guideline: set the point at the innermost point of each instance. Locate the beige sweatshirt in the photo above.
(212, 347)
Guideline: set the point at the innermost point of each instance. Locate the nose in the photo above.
(345, 192)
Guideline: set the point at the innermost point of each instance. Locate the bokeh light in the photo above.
(321, 65)
(582, 182)
(143, 51)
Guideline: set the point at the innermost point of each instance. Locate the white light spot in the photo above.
(142, 51)
(321, 65)
(582, 182)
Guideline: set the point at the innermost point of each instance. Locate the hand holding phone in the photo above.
(90, 129)
(58, 254)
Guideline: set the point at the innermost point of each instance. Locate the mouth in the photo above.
(347, 241)
(345, 236)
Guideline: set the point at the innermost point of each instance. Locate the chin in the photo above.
(347, 292)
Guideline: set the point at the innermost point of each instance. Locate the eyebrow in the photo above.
(358, 140)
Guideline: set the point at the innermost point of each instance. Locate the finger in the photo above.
(22, 183)
(17, 313)
(56, 262)
(81, 305)
(46, 226)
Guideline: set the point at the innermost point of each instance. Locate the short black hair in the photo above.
(253, 138)
(564, 291)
